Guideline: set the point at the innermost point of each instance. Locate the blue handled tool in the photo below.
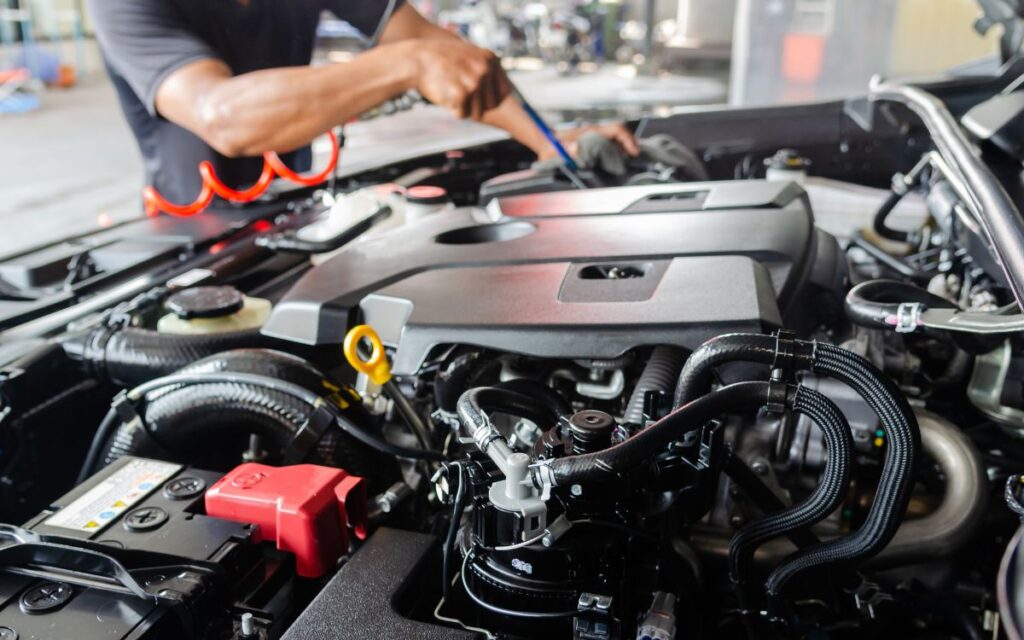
(569, 165)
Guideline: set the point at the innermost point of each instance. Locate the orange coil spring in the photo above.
(213, 186)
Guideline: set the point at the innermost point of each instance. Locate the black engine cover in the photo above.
(574, 274)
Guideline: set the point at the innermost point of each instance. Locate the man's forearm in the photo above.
(511, 117)
(283, 109)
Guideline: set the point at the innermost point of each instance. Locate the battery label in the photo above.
(106, 501)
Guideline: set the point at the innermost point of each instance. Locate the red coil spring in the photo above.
(212, 185)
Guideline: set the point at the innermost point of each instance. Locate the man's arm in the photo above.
(277, 109)
(506, 113)
(283, 109)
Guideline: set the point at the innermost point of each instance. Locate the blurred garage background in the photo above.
(572, 59)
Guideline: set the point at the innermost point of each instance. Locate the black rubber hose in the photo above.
(883, 213)
(660, 374)
(131, 356)
(458, 509)
(876, 303)
(101, 439)
(903, 440)
(457, 374)
(826, 497)
(275, 413)
(553, 401)
(513, 403)
(611, 462)
(695, 378)
(181, 419)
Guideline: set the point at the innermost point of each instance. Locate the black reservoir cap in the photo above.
(205, 302)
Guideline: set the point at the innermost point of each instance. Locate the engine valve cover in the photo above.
(576, 274)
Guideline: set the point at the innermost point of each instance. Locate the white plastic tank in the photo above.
(208, 310)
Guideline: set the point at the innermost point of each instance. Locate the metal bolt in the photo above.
(760, 468)
(391, 498)
(576, 490)
(255, 452)
(184, 488)
(247, 627)
(737, 521)
(145, 519)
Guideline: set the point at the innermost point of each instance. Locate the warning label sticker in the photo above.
(106, 501)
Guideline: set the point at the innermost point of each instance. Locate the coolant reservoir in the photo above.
(206, 310)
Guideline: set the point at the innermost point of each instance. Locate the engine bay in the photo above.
(767, 384)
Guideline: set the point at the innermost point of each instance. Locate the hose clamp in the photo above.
(778, 392)
(485, 437)
(784, 361)
(544, 479)
(908, 317)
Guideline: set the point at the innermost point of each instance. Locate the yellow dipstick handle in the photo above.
(375, 367)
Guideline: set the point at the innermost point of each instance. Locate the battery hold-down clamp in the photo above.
(306, 510)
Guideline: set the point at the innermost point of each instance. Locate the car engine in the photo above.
(757, 390)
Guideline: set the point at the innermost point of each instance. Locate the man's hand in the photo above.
(615, 131)
(463, 78)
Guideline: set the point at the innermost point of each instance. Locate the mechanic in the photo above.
(226, 80)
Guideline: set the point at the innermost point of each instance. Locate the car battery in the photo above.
(131, 553)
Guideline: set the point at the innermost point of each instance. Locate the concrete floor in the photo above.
(68, 167)
(73, 164)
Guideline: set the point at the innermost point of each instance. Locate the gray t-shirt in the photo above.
(144, 41)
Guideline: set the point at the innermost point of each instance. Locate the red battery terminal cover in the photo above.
(305, 509)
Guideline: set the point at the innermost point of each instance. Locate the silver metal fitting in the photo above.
(660, 621)
(908, 317)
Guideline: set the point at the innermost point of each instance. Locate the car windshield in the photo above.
(70, 164)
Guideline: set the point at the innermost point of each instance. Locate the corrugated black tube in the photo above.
(609, 463)
(660, 374)
(825, 498)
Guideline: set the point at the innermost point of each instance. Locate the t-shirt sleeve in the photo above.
(145, 41)
(368, 16)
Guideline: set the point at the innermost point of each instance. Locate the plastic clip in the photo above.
(306, 438)
(124, 408)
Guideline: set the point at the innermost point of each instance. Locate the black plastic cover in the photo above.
(572, 274)
(368, 596)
